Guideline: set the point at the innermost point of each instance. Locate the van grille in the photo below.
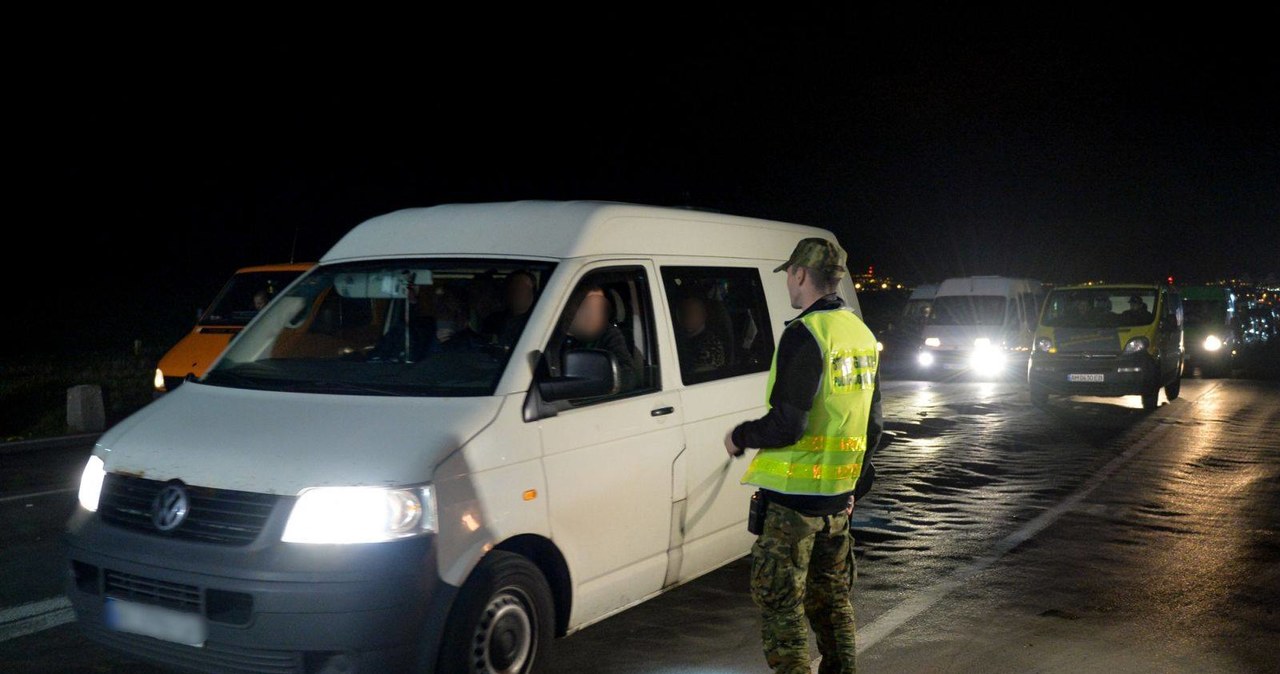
(150, 591)
(220, 516)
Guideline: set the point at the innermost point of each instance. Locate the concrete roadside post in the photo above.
(85, 412)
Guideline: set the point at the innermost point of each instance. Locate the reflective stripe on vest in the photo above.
(827, 459)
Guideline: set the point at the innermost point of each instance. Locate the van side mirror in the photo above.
(586, 373)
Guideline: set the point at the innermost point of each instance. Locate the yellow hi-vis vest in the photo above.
(827, 459)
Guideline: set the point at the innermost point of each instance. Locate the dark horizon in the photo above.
(948, 142)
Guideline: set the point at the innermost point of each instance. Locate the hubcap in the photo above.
(504, 638)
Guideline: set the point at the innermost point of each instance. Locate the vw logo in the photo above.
(169, 508)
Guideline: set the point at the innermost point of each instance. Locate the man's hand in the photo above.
(733, 450)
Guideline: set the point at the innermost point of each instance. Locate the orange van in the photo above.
(249, 290)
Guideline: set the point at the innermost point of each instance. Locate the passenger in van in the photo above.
(260, 299)
(520, 291)
(1138, 313)
(700, 349)
(589, 328)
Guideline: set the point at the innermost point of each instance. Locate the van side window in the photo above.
(721, 321)
(611, 310)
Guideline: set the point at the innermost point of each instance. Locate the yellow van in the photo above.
(249, 290)
(1108, 340)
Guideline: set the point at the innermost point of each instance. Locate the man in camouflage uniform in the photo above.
(814, 461)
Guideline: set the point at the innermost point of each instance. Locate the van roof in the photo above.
(985, 285)
(287, 266)
(560, 230)
(1205, 293)
(1112, 286)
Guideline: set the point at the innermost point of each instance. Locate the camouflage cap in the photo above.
(816, 253)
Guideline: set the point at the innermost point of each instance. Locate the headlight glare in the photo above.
(338, 515)
(1212, 343)
(932, 342)
(91, 483)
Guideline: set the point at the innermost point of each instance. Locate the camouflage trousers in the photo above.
(803, 566)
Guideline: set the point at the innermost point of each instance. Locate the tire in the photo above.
(1173, 389)
(1039, 397)
(1151, 400)
(502, 621)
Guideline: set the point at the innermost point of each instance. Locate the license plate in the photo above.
(1094, 378)
(156, 622)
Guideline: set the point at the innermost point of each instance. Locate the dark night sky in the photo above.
(940, 140)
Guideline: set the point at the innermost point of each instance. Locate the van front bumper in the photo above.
(1068, 374)
(269, 606)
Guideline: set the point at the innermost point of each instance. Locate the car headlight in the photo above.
(1212, 343)
(336, 515)
(158, 381)
(1137, 345)
(1044, 344)
(933, 342)
(925, 359)
(95, 471)
(987, 361)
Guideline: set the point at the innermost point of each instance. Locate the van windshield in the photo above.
(969, 310)
(423, 327)
(1100, 308)
(1204, 312)
(244, 295)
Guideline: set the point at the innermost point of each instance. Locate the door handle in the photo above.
(661, 411)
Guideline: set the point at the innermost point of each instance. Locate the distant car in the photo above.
(900, 334)
(979, 325)
(1212, 329)
(248, 291)
(1109, 340)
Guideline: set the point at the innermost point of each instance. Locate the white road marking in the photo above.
(37, 494)
(890, 620)
(36, 616)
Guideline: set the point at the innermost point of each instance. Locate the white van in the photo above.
(368, 480)
(980, 325)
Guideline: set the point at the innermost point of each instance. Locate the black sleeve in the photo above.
(794, 388)
(875, 431)
(613, 342)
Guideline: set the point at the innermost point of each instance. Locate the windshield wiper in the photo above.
(328, 386)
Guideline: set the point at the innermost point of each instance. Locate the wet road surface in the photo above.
(1092, 536)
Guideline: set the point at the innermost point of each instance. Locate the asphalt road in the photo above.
(1092, 536)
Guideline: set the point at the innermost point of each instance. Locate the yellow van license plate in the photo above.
(155, 621)
(1092, 378)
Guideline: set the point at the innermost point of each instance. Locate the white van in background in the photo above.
(385, 470)
(980, 325)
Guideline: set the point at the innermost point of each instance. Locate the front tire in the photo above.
(1173, 389)
(1151, 400)
(503, 620)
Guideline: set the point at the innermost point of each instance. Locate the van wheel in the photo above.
(1039, 397)
(1151, 400)
(502, 622)
(1172, 390)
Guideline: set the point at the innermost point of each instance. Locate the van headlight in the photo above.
(1137, 345)
(1044, 344)
(1212, 343)
(95, 471)
(932, 342)
(336, 515)
(158, 380)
